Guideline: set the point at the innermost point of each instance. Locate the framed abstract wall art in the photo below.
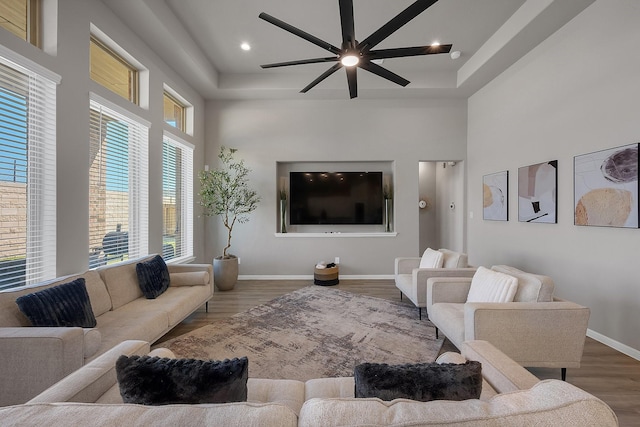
(495, 196)
(538, 193)
(606, 187)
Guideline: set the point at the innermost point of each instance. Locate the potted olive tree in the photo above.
(225, 192)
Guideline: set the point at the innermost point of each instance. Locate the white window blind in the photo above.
(118, 186)
(27, 175)
(177, 198)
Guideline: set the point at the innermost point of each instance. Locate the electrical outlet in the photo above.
(239, 261)
(337, 260)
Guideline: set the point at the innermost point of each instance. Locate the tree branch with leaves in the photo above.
(225, 192)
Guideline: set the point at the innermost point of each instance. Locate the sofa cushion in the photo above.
(63, 305)
(420, 381)
(99, 415)
(431, 259)
(548, 403)
(452, 259)
(122, 281)
(149, 380)
(190, 278)
(492, 286)
(153, 277)
(531, 287)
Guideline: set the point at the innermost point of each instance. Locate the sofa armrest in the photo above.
(420, 277)
(405, 265)
(90, 382)
(35, 358)
(540, 334)
(498, 369)
(447, 289)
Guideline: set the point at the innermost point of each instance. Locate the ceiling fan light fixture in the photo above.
(349, 60)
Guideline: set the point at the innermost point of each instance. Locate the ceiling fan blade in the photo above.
(383, 72)
(301, 62)
(323, 76)
(352, 79)
(394, 24)
(408, 51)
(347, 23)
(298, 32)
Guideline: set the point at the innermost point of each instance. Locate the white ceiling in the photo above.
(200, 40)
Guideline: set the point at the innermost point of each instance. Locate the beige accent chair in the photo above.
(412, 280)
(535, 330)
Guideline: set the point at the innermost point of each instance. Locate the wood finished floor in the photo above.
(605, 372)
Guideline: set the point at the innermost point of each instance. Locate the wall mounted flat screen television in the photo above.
(333, 198)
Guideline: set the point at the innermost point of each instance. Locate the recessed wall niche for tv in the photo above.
(606, 187)
(334, 198)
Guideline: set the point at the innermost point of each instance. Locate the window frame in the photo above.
(40, 88)
(186, 207)
(32, 22)
(138, 178)
(183, 110)
(134, 72)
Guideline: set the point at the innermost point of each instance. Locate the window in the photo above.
(21, 17)
(118, 185)
(112, 71)
(27, 174)
(174, 112)
(177, 198)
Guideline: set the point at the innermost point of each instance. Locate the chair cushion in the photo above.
(63, 305)
(492, 286)
(431, 259)
(531, 287)
(452, 259)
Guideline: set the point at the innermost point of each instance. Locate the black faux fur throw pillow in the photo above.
(67, 304)
(422, 381)
(149, 380)
(153, 277)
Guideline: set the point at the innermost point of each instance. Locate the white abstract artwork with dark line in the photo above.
(538, 193)
(495, 196)
(606, 187)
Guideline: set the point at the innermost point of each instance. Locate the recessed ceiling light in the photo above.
(245, 46)
(435, 44)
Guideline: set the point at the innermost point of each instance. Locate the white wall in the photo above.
(266, 132)
(71, 62)
(576, 93)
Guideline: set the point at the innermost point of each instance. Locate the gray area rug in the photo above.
(314, 332)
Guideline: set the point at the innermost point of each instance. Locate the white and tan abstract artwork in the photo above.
(606, 187)
(495, 196)
(538, 192)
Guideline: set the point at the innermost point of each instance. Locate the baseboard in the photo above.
(622, 348)
(310, 277)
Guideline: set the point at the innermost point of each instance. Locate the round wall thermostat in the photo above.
(422, 204)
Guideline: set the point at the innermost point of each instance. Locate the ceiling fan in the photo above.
(353, 54)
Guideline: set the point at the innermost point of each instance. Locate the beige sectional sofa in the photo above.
(34, 358)
(535, 330)
(510, 396)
